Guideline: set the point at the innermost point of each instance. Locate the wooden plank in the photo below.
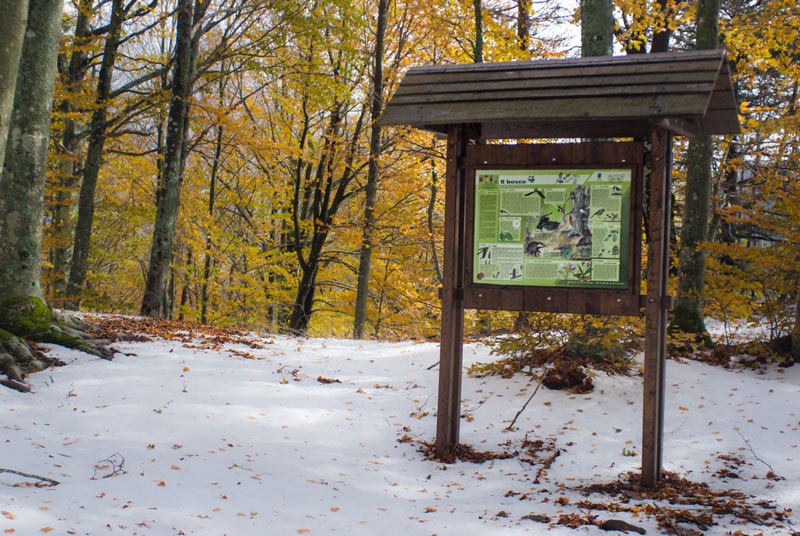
(720, 122)
(723, 100)
(562, 300)
(656, 314)
(457, 95)
(625, 108)
(643, 59)
(562, 81)
(636, 157)
(682, 127)
(450, 353)
(587, 128)
(494, 298)
(558, 70)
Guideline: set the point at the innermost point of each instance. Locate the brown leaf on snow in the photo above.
(321, 379)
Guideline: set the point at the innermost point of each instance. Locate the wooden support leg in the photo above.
(449, 408)
(452, 332)
(656, 309)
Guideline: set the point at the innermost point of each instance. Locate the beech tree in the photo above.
(371, 188)
(189, 14)
(688, 314)
(23, 178)
(23, 311)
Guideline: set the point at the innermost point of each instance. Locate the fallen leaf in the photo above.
(8, 514)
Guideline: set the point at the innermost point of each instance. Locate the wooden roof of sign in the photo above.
(689, 93)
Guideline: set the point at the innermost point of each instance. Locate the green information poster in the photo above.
(553, 228)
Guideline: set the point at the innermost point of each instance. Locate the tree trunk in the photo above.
(661, 38)
(796, 328)
(524, 24)
(437, 266)
(597, 28)
(169, 190)
(23, 178)
(478, 49)
(304, 299)
(69, 149)
(580, 212)
(212, 192)
(688, 314)
(94, 157)
(13, 20)
(23, 312)
(371, 188)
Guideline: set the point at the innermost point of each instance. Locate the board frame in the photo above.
(610, 155)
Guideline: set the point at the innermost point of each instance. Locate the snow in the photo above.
(216, 443)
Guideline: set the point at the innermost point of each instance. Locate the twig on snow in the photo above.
(510, 427)
(30, 475)
(669, 519)
(115, 462)
(476, 406)
(746, 442)
(17, 386)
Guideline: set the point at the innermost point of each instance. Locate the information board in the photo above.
(552, 228)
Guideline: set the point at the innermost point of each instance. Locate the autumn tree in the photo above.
(371, 187)
(23, 311)
(688, 314)
(91, 169)
(189, 13)
(753, 236)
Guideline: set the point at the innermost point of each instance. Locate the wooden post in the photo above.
(657, 306)
(452, 331)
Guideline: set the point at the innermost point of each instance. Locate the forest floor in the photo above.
(200, 431)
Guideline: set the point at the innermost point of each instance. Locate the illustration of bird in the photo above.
(515, 274)
(616, 190)
(546, 224)
(483, 252)
(536, 191)
(599, 212)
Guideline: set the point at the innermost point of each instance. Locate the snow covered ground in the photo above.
(221, 438)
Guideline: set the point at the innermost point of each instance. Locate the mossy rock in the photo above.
(31, 318)
(25, 317)
(54, 337)
(5, 336)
